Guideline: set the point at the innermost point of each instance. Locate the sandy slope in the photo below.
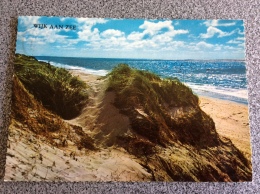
(31, 158)
(100, 118)
(231, 120)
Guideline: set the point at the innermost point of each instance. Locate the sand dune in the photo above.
(30, 157)
(231, 119)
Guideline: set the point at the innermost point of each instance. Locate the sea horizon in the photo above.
(152, 59)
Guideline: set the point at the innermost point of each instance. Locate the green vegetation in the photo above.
(162, 110)
(25, 109)
(30, 115)
(41, 95)
(54, 87)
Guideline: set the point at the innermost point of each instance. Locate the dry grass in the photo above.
(29, 114)
(148, 100)
(54, 87)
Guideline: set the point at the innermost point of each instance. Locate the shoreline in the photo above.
(220, 96)
(222, 100)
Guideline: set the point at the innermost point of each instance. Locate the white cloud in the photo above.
(41, 36)
(241, 32)
(63, 18)
(135, 36)
(111, 39)
(175, 32)
(112, 33)
(229, 48)
(29, 20)
(85, 26)
(241, 45)
(203, 44)
(177, 23)
(217, 48)
(162, 38)
(37, 35)
(33, 40)
(173, 45)
(87, 34)
(209, 23)
(240, 38)
(211, 31)
(91, 21)
(233, 42)
(153, 28)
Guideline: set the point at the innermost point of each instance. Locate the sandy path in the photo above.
(231, 120)
(87, 120)
(100, 118)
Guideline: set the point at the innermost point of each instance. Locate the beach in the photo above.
(231, 120)
(31, 158)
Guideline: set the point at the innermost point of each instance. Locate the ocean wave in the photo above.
(100, 72)
(238, 95)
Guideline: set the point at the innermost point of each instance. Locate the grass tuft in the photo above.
(54, 87)
(149, 101)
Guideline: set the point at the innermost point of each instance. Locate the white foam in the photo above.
(239, 93)
(96, 72)
(100, 72)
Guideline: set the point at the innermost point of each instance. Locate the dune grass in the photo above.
(30, 115)
(149, 100)
(54, 87)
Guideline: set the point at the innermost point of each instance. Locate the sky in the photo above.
(130, 38)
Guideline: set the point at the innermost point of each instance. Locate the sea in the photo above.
(222, 79)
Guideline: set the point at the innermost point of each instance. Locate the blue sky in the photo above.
(131, 38)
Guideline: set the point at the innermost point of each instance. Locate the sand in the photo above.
(231, 120)
(30, 158)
